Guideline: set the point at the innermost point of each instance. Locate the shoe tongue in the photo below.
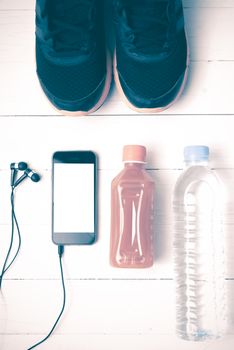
(149, 19)
(146, 16)
(71, 8)
(144, 3)
(140, 2)
(69, 18)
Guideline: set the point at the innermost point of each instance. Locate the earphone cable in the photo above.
(34, 177)
(60, 252)
(4, 268)
(18, 231)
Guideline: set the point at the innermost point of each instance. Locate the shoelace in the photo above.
(148, 27)
(65, 25)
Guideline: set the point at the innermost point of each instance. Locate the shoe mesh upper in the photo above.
(71, 82)
(70, 51)
(152, 79)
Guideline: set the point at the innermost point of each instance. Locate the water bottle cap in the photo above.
(134, 153)
(196, 153)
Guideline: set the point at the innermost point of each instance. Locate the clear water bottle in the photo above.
(198, 205)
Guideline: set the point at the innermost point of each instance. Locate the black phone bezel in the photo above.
(75, 157)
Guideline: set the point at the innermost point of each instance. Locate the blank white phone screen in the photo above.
(73, 198)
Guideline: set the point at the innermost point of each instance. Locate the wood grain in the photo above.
(108, 308)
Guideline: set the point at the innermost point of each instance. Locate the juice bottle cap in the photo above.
(134, 153)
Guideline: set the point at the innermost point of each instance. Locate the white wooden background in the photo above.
(107, 308)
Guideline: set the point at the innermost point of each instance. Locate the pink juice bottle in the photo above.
(132, 210)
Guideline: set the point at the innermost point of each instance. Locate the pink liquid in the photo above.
(132, 207)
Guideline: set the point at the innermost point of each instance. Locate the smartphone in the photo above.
(74, 197)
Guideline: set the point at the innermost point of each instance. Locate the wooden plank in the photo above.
(34, 139)
(33, 208)
(208, 91)
(148, 299)
(206, 42)
(209, 88)
(113, 308)
(209, 3)
(88, 313)
(30, 4)
(107, 342)
(99, 295)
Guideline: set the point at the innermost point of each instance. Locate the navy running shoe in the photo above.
(73, 67)
(151, 58)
